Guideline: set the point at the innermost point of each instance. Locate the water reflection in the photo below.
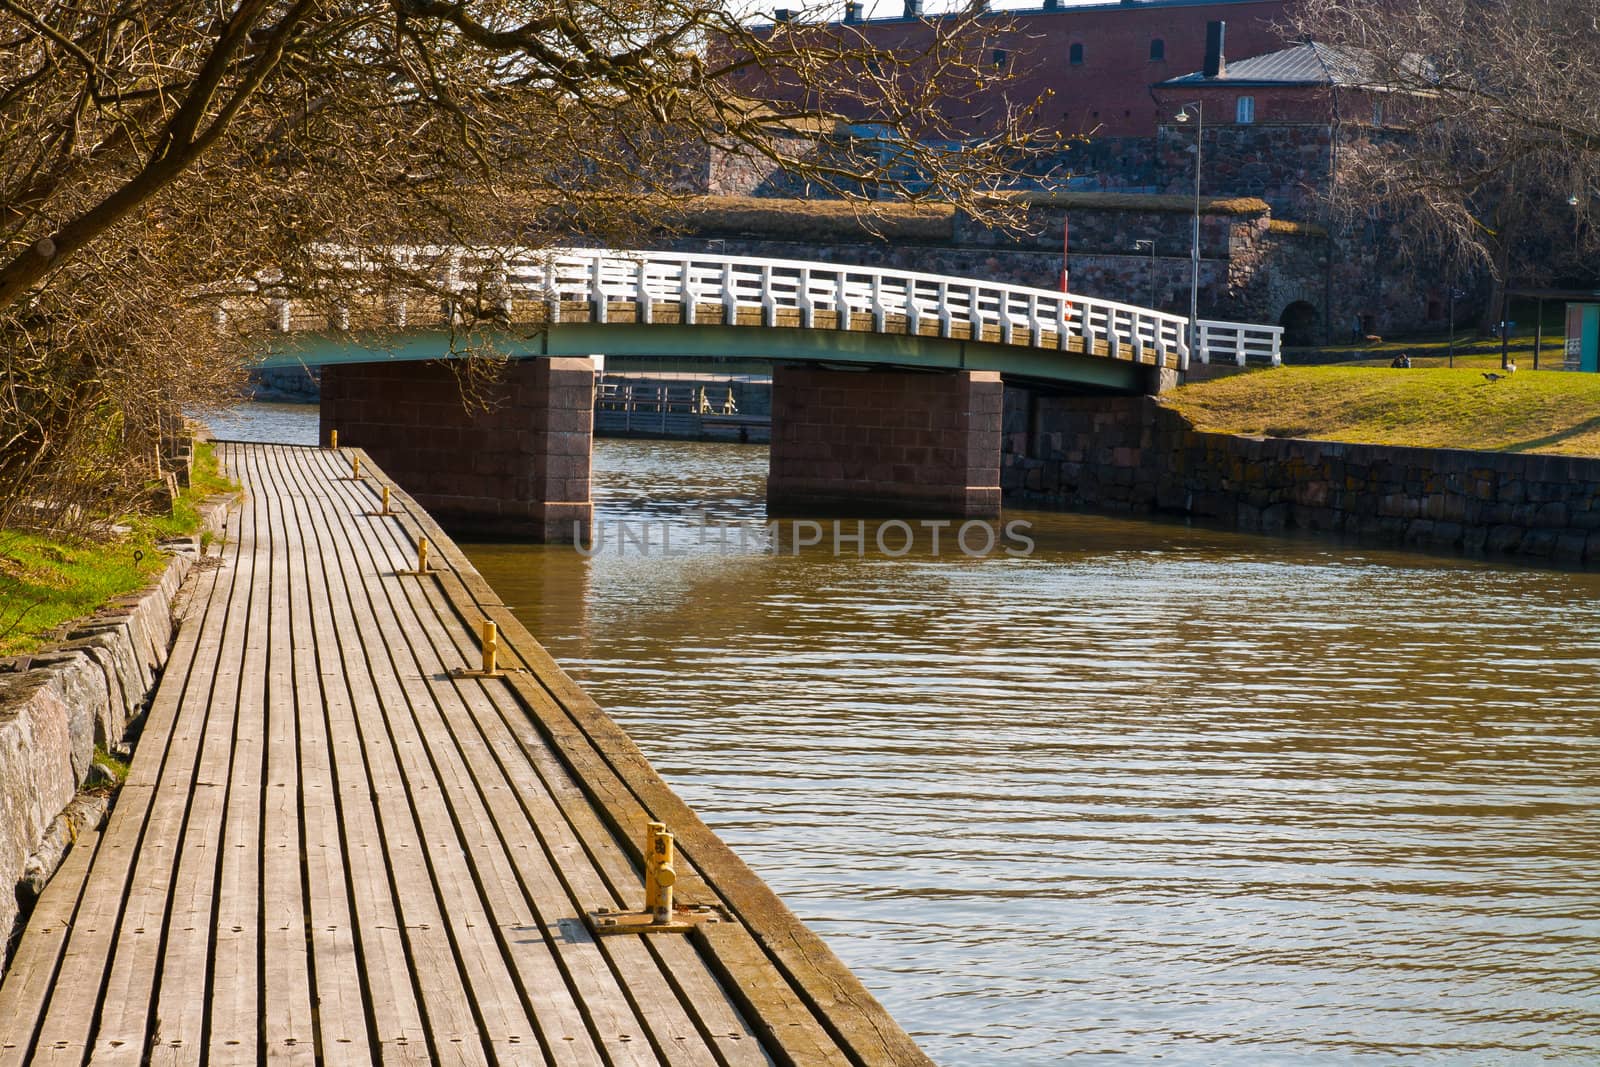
(1152, 792)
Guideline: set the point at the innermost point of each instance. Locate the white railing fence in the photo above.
(789, 291)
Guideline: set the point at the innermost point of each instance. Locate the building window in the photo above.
(1075, 54)
(1246, 111)
(1377, 113)
(1158, 49)
(1000, 58)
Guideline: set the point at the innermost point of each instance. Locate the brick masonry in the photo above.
(1132, 454)
(886, 442)
(515, 465)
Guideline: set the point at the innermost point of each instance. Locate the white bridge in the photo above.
(628, 291)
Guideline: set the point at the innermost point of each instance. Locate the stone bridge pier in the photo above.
(516, 465)
(889, 442)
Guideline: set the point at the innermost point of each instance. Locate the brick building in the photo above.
(1275, 122)
(1096, 60)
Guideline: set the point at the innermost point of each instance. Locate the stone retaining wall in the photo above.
(58, 704)
(1133, 454)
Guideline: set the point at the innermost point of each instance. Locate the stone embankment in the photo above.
(1136, 455)
(57, 705)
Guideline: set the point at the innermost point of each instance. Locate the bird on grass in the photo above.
(1510, 369)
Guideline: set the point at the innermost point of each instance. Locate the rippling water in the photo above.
(1151, 793)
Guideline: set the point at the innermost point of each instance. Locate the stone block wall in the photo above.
(1132, 454)
(1287, 164)
(885, 442)
(515, 461)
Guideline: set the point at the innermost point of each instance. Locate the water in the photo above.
(289, 424)
(1152, 793)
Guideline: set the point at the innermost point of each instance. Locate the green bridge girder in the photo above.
(771, 344)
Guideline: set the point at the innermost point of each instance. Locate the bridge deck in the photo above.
(330, 851)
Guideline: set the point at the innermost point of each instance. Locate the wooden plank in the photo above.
(717, 1019)
(397, 856)
(287, 1027)
(342, 1036)
(675, 1034)
(181, 1002)
(232, 1001)
(426, 849)
(125, 1024)
(69, 1021)
(618, 777)
(400, 685)
(386, 986)
(26, 990)
(468, 712)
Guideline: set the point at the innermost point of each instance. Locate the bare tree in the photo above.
(149, 148)
(1488, 151)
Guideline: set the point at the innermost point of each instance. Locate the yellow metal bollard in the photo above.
(333, 440)
(490, 639)
(355, 468)
(660, 859)
(422, 560)
(652, 890)
(660, 915)
(381, 512)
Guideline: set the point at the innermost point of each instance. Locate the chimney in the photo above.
(1052, 5)
(783, 14)
(852, 11)
(1216, 62)
(913, 9)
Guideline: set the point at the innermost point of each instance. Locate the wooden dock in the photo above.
(330, 851)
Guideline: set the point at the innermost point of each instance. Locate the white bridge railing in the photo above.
(792, 292)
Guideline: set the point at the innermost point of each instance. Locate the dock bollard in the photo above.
(383, 511)
(659, 874)
(489, 638)
(422, 560)
(660, 915)
(333, 440)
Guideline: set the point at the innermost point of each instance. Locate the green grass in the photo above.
(46, 581)
(118, 769)
(1545, 411)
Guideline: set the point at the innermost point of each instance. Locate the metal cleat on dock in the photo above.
(489, 639)
(660, 914)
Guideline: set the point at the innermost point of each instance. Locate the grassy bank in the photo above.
(1548, 411)
(46, 581)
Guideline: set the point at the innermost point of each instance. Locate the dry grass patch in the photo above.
(1230, 205)
(1545, 411)
(815, 220)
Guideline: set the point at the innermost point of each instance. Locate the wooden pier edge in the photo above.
(626, 789)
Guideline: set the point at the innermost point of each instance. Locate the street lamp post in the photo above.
(1140, 246)
(1195, 108)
